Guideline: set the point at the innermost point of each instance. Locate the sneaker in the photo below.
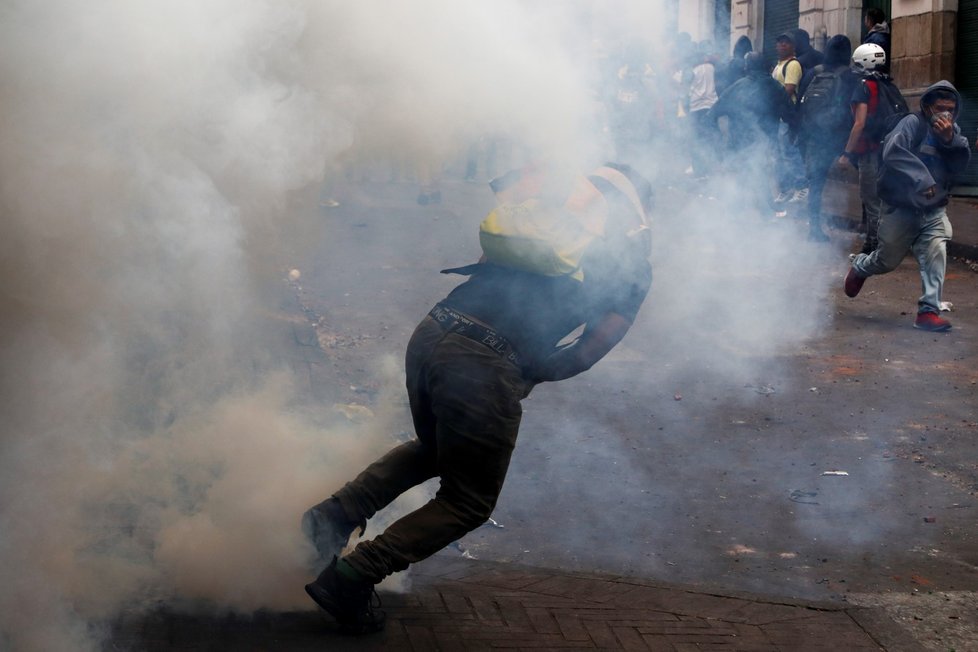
(350, 602)
(799, 195)
(854, 282)
(328, 527)
(931, 321)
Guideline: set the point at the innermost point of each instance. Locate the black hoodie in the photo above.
(807, 56)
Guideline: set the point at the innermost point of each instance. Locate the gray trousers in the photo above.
(465, 403)
(868, 167)
(905, 230)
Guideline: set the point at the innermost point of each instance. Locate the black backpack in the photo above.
(825, 104)
(890, 109)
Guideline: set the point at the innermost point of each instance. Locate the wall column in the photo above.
(923, 35)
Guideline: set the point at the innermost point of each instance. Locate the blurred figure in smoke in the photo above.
(920, 158)
(630, 103)
(733, 69)
(546, 270)
(753, 105)
(825, 123)
(791, 169)
(702, 97)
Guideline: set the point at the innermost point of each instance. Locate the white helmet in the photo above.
(869, 57)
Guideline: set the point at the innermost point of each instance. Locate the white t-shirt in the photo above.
(702, 90)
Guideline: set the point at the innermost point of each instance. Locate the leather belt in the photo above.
(453, 321)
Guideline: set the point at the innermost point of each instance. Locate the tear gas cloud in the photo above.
(150, 156)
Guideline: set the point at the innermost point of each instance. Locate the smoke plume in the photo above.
(152, 155)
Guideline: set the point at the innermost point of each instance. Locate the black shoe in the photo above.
(328, 527)
(348, 601)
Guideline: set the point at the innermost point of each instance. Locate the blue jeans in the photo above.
(791, 168)
(903, 230)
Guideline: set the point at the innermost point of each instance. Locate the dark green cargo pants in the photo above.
(465, 402)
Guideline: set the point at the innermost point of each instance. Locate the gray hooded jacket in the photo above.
(916, 159)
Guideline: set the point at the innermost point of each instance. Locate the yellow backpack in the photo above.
(532, 236)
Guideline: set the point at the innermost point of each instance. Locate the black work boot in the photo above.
(348, 601)
(328, 527)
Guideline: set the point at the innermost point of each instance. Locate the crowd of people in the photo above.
(781, 129)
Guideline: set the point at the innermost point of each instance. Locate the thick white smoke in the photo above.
(149, 153)
(152, 155)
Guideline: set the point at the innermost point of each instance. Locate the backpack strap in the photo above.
(784, 66)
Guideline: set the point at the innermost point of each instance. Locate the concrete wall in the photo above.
(696, 17)
(823, 19)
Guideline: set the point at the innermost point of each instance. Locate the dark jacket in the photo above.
(932, 163)
(733, 69)
(880, 35)
(807, 56)
(838, 51)
(754, 105)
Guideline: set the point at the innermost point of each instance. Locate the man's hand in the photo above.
(943, 126)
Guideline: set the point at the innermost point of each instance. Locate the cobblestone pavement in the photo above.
(461, 604)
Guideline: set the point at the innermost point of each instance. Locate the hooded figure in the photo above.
(923, 159)
(733, 69)
(921, 155)
(825, 122)
(807, 56)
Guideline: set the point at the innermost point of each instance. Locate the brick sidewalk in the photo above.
(461, 604)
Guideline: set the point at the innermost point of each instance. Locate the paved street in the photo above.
(760, 456)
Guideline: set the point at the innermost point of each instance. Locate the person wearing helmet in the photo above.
(862, 147)
(920, 157)
(472, 360)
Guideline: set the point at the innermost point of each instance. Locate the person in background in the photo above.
(733, 69)
(753, 106)
(862, 149)
(807, 56)
(702, 97)
(920, 158)
(878, 31)
(825, 123)
(791, 168)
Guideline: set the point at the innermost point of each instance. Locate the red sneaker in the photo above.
(931, 321)
(854, 282)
